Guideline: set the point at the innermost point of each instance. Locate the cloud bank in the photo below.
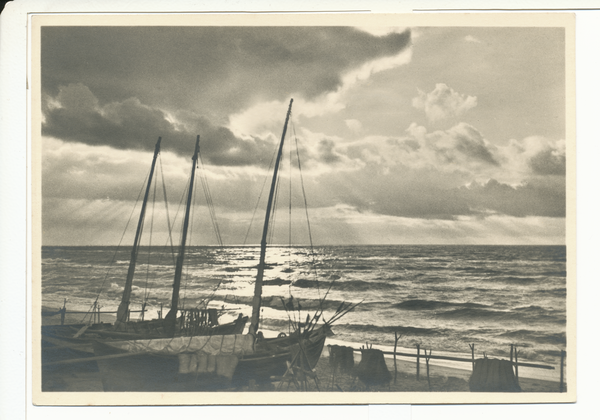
(443, 102)
(379, 164)
(213, 71)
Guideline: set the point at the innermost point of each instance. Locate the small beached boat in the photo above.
(177, 322)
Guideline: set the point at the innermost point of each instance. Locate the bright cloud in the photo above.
(470, 38)
(354, 125)
(382, 30)
(443, 102)
(447, 174)
(261, 116)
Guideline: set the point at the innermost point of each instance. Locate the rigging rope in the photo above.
(146, 293)
(209, 200)
(261, 193)
(290, 212)
(111, 264)
(169, 228)
(181, 200)
(213, 218)
(190, 230)
(272, 217)
(312, 251)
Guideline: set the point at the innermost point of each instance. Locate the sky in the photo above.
(424, 135)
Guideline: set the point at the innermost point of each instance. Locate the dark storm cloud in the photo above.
(425, 194)
(545, 199)
(131, 125)
(470, 142)
(538, 197)
(460, 144)
(548, 162)
(211, 70)
(327, 151)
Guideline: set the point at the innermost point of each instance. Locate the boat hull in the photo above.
(147, 373)
(55, 337)
(271, 361)
(124, 371)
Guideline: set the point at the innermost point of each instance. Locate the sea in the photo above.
(443, 298)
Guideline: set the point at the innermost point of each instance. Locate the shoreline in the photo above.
(444, 376)
(455, 366)
(441, 379)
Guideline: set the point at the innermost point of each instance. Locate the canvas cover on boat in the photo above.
(201, 363)
(217, 344)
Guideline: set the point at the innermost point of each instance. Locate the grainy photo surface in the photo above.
(305, 209)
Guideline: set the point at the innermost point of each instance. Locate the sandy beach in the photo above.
(86, 378)
(442, 379)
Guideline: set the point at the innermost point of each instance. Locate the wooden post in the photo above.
(98, 314)
(63, 311)
(397, 337)
(562, 375)
(427, 364)
(143, 310)
(418, 359)
(511, 352)
(517, 364)
(472, 346)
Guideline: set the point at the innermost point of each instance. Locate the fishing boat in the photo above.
(177, 322)
(218, 361)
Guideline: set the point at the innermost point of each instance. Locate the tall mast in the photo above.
(172, 315)
(256, 301)
(124, 305)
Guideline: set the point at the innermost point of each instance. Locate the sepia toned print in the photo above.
(303, 209)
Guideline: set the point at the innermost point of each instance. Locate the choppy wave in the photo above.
(525, 335)
(419, 304)
(347, 285)
(447, 296)
(390, 330)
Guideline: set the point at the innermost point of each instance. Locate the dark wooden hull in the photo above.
(122, 372)
(272, 357)
(62, 336)
(146, 373)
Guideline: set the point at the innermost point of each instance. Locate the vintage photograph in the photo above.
(313, 209)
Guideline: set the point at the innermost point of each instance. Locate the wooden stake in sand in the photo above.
(472, 346)
(562, 376)
(397, 337)
(517, 364)
(418, 359)
(63, 311)
(427, 364)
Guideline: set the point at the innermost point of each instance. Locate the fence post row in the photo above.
(514, 359)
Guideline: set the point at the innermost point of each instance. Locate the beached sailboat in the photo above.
(177, 322)
(217, 361)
